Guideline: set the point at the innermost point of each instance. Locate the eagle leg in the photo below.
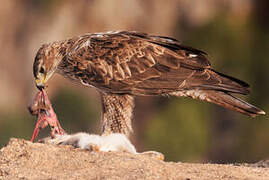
(117, 114)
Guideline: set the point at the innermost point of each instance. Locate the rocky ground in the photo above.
(21, 159)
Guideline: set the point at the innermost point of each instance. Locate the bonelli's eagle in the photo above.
(124, 64)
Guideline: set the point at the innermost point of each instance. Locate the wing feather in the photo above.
(140, 64)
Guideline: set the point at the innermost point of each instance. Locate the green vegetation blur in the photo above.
(235, 36)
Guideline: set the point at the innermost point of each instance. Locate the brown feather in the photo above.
(222, 99)
(133, 63)
(117, 114)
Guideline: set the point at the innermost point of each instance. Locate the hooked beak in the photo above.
(40, 83)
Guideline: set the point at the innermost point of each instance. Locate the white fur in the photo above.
(117, 142)
(112, 142)
(86, 139)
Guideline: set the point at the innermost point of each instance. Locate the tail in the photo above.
(231, 102)
(223, 99)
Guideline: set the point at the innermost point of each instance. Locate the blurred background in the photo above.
(235, 34)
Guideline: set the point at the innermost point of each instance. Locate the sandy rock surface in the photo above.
(21, 159)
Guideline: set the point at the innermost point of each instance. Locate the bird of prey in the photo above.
(125, 64)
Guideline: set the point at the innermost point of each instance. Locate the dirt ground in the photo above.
(21, 159)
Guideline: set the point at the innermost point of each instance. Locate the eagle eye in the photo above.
(42, 70)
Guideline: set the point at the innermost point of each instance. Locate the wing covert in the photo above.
(128, 62)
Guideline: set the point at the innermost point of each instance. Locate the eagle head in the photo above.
(46, 61)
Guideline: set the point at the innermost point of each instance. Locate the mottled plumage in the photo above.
(124, 64)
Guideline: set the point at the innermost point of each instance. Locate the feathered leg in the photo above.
(117, 113)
